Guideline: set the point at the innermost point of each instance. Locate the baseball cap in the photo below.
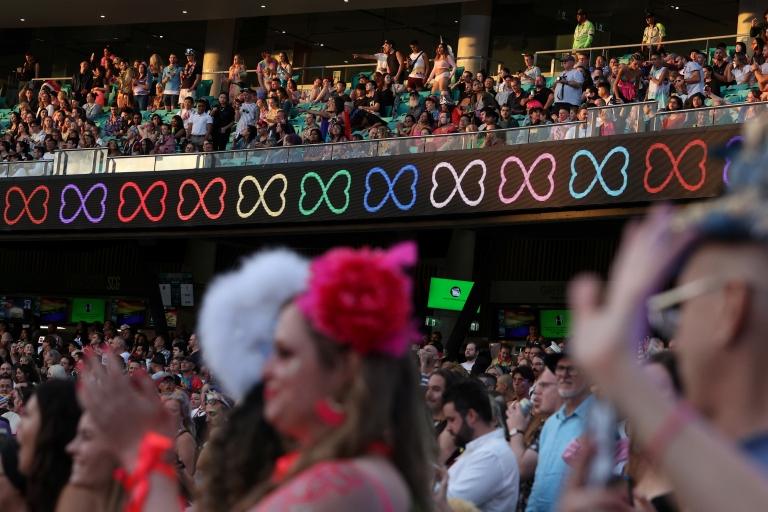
(124, 327)
(189, 51)
(160, 376)
(581, 11)
(568, 57)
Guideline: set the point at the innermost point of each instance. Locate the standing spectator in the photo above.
(284, 70)
(246, 113)
(236, 77)
(141, 87)
(200, 125)
(653, 35)
(738, 72)
(27, 71)
(441, 73)
(569, 83)
(266, 71)
(223, 121)
(658, 81)
(531, 72)
(585, 30)
(172, 82)
(125, 84)
(418, 68)
(82, 82)
(486, 473)
(719, 70)
(627, 84)
(190, 75)
(559, 431)
(693, 75)
(470, 356)
(388, 62)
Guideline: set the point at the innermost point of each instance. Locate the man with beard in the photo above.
(559, 431)
(486, 473)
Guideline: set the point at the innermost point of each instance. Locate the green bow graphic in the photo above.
(324, 197)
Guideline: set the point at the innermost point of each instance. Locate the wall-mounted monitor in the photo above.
(555, 323)
(87, 310)
(514, 323)
(448, 294)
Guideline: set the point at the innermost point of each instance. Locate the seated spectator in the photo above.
(505, 118)
(739, 72)
(486, 473)
(542, 94)
(531, 72)
(444, 125)
(517, 98)
(92, 109)
(582, 130)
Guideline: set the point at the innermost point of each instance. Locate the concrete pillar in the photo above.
(474, 35)
(748, 9)
(219, 47)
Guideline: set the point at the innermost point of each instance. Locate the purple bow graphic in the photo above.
(727, 168)
(83, 199)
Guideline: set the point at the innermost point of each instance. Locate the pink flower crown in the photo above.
(362, 298)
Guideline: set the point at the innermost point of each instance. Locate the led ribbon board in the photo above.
(605, 171)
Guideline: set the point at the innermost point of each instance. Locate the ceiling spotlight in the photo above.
(184, 12)
(22, 19)
(161, 37)
(283, 32)
(322, 44)
(102, 16)
(455, 21)
(263, 6)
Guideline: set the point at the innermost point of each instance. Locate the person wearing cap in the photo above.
(584, 32)
(559, 431)
(568, 85)
(171, 81)
(525, 429)
(388, 62)
(653, 35)
(190, 75)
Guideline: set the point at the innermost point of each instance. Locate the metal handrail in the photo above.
(713, 107)
(637, 45)
(711, 114)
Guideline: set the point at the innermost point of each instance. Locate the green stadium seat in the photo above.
(204, 88)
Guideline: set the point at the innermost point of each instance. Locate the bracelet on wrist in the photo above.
(152, 450)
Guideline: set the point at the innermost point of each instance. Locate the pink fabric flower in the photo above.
(362, 298)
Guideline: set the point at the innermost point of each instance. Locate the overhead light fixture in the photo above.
(161, 36)
(282, 32)
(455, 21)
(102, 16)
(322, 44)
(184, 12)
(22, 19)
(263, 6)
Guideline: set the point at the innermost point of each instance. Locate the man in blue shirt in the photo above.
(559, 431)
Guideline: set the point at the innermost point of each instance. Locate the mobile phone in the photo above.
(601, 429)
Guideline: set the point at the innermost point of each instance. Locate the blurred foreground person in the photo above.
(716, 257)
(340, 390)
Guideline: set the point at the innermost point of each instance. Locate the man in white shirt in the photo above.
(530, 73)
(247, 113)
(200, 125)
(693, 75)
(486, 473)
(470, 356)
(568, 85)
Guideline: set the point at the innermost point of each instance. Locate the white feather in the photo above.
(237, 322)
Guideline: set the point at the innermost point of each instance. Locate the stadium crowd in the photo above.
(140, 108)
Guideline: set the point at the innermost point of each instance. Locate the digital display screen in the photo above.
(514, 323)
(87, 310)
(54, 310)
(555, 323)
(14, 308)
(448, 294)
(129, 311)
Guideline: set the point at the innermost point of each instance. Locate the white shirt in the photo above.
(743, 75)
(467, 365)
(486, 474)
(248, 114)
(566, 93)
(200, 123)
(688, 70)
(418, 67)
(529, 75)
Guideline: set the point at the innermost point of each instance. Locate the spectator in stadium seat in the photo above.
(141, 87)
(223, 121)
(417, 66)
(92, 109)
(569, 84)
(579, 131)
(693, 74)
(82, 81)
(171, 80)
(444, 125)
(653, 35)
(739, 71)
(190, 75)
(584, 32)
(486, 473)
(531, 72)
(505, 118)
(200, 125)
(388, 62)
(627, 84)
(761, 72)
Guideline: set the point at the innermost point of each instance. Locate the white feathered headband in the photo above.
(240, 309)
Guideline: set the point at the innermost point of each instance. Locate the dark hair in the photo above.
(482, 362)
(9, 461)
(232, 470)
(450, 377)
(470, 394)
(59, 415)
(668, 360)
(525, 372)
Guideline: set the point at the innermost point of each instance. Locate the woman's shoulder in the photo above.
(365, 483)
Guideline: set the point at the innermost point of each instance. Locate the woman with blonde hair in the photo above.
(237, 77)
(442, 71)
